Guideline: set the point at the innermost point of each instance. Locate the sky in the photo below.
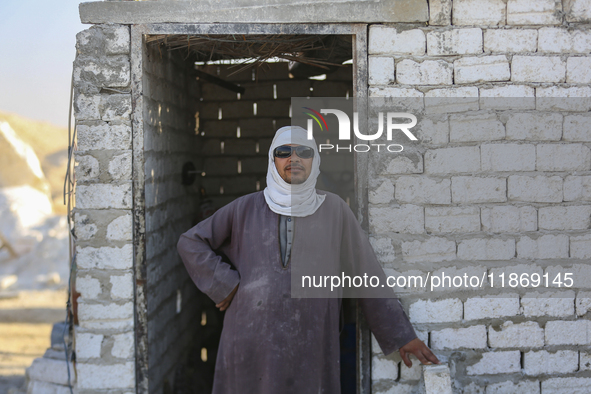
(37, 49)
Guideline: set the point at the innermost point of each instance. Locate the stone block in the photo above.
(510, 40)
(88, 345)
(508, 157)
(452, 219)
(384, 368)
(120, 166)
(382, 194)
(49, 371)
(394, 92)
(104, 136)
(583, 302)
(571, 385)
(577, 10)
(539, 12)
(384, 249)
(479, 127)
(561, 40)
(439, 12)
(567, 332)
(384, 40)
(105, 257)
(508, 97)
(522, 335)
(437, 379)
(37, 386)
(104, 196)
(84, 228)
(543, 362)
(467, 189)
(428, 72)
(117, 39)
(97, 377)
(448, 100)
(103, 72)
(561, 157)
(486, 249)
(109, 311)
(585, 361)
(454, 42)
(481, 69)
(123, 345)
(560, 304)
(433, 131)
(473, 337)
(87, 168)
(578, 70)
(577, 127)
(493, 363)
(509, 219)
(491, 307)
(452, 160)
(407, 218)
(88, 287)
(115, 107)
(548, 246)
(122, 286)
(539, 188)
(534, 126)
(381, 70)
(564, 218)
(580, 247)
(422, 190)
(537, 69)
(433, 249)
(120, 229)
(86, 106)
(440, 311)
(414, 373)
(479, 12)
(411, 164)
(521, 387)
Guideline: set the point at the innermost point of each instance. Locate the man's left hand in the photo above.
(420, 350)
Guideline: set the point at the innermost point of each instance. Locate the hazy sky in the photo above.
(36, 54)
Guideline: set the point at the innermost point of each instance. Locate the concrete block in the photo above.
(105, 257)
(510, 40)
(577, 10)
(36, 386)
(87, 168)
(407, 218)
(452, 160)
(583, 302)
(534, 126)
(467, 189)
(385, 40)
(448, 100)
(508, 157)
(433, 131)
(585, 361)
(428, 72)
(414, 373)
(537, 69)
(104, 136)
(452, 219)
(421, 190)
(481, 69)
(567, 332)
(522, 335)
(571, 385)
(548, 246)
(88, 287)
(486, 249)
(433, 249)
(109, 311)
(493, 363)
(383, 194)
(564, 218)
(560, 304)
(440, 311)
(479, 127)
(83, 227)
(534, 188)
(394, 92)
(561, 157)
(473, 337)
(88, 345)
(97, 377)
(104, 196)
(437, 379)
(384, 249)
(543, 362)
(122, 286)
(411, 164)
(540, 12)
(509, 219)
(578, 70)
(577, 128)
(120, 229)
(513, 97)
(561, 40)
(454, 42)
(123, 345)
(491, 307)
(86, 106)
(439, 12)
(479, 12)
(521, 387)
(580, 247)
(381, 70)
(112, 71)
(117, 39)
(384, 368)
(115, 107)
(49, 371)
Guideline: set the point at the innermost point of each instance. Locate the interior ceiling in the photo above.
(309, 55)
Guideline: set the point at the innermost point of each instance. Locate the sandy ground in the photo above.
(26, 320)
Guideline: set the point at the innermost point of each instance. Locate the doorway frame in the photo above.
(360, 90)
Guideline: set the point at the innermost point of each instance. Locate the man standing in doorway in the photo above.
(272, 343)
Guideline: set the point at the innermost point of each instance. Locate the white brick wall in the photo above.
(452, 160)
(481, 69)
(427, 311)
(543, 362)
(407, 218)
(557, 304)
(511, 41)
(473, 337)
(428, 72)
(501, 219)
(534, 126)
(522, 335)
(491, 307)
(420, 190)
(385, 40)
(486, 249)
(479, 127)
(454, 42)
(452, 219)
(547, 246)
(559, 157)
(568, 333)
(522, 387)
(431, 250)
(537, 69)
(564, 218)
(508, 157)
(540, 12)
(496, 363)
(466, 189)
(479, 12)
(534, 188)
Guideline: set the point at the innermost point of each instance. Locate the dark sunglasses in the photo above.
(285, 151)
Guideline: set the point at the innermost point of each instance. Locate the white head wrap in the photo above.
(282, 197)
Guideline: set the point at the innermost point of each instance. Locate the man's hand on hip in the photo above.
(420, 350)
(226, 302)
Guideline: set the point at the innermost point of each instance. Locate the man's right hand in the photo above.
(226, 302)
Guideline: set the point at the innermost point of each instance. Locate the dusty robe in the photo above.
(272, 343)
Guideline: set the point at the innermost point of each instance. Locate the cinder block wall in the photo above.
(171, 97)
(490, 192)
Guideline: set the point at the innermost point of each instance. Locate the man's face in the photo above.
(294, 169)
